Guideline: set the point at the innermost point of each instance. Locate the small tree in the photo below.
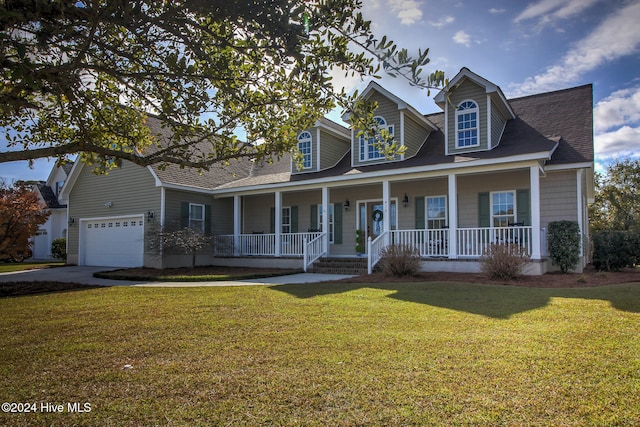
(21, 213)
(564, 244)
(59, 248)
(185, 240)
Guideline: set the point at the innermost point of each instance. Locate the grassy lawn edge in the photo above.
(122, 275)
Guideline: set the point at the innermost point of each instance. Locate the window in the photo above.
(286, 220)
(436, 212)
(331, 221)
(304, 146)
(196, 217)
(368, 148)
(467, 124)
(503, 208)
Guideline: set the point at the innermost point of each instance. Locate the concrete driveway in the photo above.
(84, 275)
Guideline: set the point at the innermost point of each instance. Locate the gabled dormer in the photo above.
(475, 112)
(409, 128)
(321, 146)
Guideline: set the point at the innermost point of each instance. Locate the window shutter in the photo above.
(523, 208)
(314, 217)
(294, 219)
(272, 220)
(420, 213)
(484, 210)
(207, 219)
(184, 214)
(337, 223)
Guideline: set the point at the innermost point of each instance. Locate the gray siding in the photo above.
(414, 135)
(558, 192)
(498, 122)
(173, 204)
(467, 90)
(222, 216)
(389, 111)
(131, 190)
(332, 149)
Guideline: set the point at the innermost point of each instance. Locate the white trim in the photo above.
(278, 221)
(81, 232)
(187, 188)
(392, 201)
(163, 201)
(459, 112)
(426, 210)
(579, 176)
(534, 209)
(204, 215)
(353, 147)
(403, 174)
(317, 149)
(515, 206)
(305, 140)
(402, 133)
(452, 192)
(157, 180)
(567, 166)
(325, 218)
(332, 127)
(446, 126)
(489, 142)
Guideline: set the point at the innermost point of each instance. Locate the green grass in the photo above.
(21, 266)
(327, 354)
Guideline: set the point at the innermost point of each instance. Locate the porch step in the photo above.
(352, 266)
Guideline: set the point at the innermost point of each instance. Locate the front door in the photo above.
(371, 218)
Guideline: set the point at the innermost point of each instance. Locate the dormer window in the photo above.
(369, 147)
(304, 147)
(467, 125)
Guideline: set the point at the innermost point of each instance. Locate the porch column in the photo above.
(325, 219)
(386, 210)
(579, 178)
(237, 224)
(534, 173)
(453, 216)
(278, 221)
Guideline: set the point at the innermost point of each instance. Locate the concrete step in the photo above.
(352, 266)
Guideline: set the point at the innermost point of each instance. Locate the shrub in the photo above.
(503, 261)
(59, 248)
(613, 250)
(564, 244)
(400, 260)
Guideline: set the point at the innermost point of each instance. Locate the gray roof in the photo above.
(49, 196)
(561, 118)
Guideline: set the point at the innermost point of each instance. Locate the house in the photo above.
(56, 226)
(486, 169)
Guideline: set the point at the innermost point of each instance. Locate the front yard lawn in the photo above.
(21, 266)
(325, 354)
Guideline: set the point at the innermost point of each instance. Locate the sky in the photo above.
(525, 47)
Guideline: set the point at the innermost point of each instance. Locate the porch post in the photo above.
(534, 173)
(325, 219)
(453, 216)
(579, 178)
(386, 210)
(237, 224)
(278, 221)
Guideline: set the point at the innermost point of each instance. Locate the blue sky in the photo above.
(525, 47)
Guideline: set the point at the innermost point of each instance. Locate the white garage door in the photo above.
(113, 242)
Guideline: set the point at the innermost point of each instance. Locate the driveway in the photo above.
(84, 275)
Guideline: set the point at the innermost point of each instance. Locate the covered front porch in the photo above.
(446, 217)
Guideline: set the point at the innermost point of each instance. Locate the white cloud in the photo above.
(619, 108)
(617, 36)
(547, 11)
(445, 20)
(407, 10)
(619, 143)
(462, 38)
(496, 11)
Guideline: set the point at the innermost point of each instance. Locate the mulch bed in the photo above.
(203, 271)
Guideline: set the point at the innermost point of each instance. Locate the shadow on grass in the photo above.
(17, 289)
(494, 301)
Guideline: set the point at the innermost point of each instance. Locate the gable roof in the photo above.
(49, 196)
(555, 127)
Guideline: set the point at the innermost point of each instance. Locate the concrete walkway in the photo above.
(84, 275)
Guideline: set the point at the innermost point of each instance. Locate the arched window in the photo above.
(467, 125)
(368, 148)
(304, 146)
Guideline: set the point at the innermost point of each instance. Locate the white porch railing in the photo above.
(291, 244)
(429, 243)
(374, 250)
(472, 242)
(313, 249)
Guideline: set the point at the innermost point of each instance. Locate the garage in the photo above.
(113, 242)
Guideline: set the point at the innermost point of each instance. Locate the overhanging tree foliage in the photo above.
(78, 76)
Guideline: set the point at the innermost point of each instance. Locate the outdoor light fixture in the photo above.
(347, 205)
(150, 215)
(108, 204)
(71, 221)
(405, 200)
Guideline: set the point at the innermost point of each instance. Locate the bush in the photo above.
(59, 248)
(564, 244)
(613, 250)
(503, 262)
(400, 260)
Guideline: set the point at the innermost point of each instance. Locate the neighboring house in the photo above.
(56, 226)
(485, 170)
